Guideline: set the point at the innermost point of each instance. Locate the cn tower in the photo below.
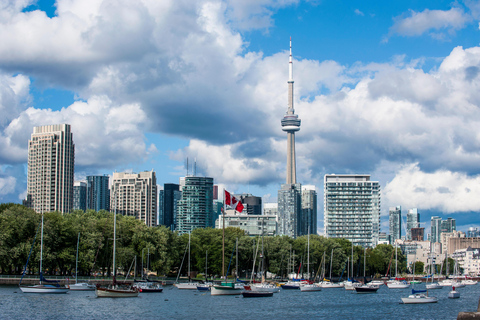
(290, 124)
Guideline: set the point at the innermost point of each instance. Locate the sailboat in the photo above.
(351, 283)
(54, 287)
(226, 288)
(206, 285)
(366, 287)
(397, 284)
(82, 286)
(114, 291)
(309, 287)
(330, 284)
(146, 285)
(432, 285)
(186, 285)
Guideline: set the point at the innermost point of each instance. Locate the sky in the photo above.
(386, 88)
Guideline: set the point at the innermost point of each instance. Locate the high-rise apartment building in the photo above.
(448, 225)
(51, 161)
(195, 208)
(413, 221)
(171, 194)
(79, 195)
(395, 223)
(290, 210)
(98, 193)
(252, 204)
(135, 195)
(435, 228)
(352, 208)
(309, 210)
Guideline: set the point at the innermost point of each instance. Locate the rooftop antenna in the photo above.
(195, 167)
(187, 166)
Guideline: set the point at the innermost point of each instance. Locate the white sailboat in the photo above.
(43, 287)
(186, 285)
(82, 286)
(114, 291)
(308, 287)
(397, 284)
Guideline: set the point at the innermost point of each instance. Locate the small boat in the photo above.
(310, 287)
(203, 287)
(264, 287)
(446, 283)
(54, 287)
(434, 285)
(418, 297)
(395, 284)
(366, 288)
(350, 285)
(468, 282)
(256, 294)
(226, 289)
(377, 282)
(148, 286)
(187, 285)
(295, 285)
(453, 294)
(82, 286)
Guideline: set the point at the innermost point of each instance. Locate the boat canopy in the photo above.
(418, 291)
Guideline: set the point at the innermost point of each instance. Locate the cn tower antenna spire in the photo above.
(290, 124)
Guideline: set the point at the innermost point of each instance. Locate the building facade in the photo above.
(413, 221)
(98, 193)
(51, 161)
(135, 195)
(352, 208)
(395, 223)
(469, 260)
(252, 204)
(449, 225)
(309, 210)
(418, 234)
(171, 194)
(195, 208)
(435, 228)
(290, 210)
(253, 225)
(79, 195)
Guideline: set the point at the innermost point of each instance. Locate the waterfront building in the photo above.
(195, 207)
(352, 208)
(51, 160)
(435, 228)
(98, 193)
(79, 195)
(456, 240)
(253, 225)
(135, 195)
(290, 210)
(413, 221)
(395, 223)
(309, 210)
(170, 196)
(290, 194)
(468, 260)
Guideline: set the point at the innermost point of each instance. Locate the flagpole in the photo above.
(223, 236)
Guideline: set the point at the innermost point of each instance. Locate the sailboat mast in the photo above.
(41, 251)
(114, 237)
(308, 254)
(352, 260)
(364, 262)
(189, 257)
(236, 261)
(331, 259)
(76, 261)
(223, 236)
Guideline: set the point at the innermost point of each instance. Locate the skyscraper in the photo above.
(413, 221)
(352, 208)
(51, 160)
(171, 196)
(309, 209)
(290, 124)
(195, 208)
(135, 195)
(290, 194)
(79, 195)
(98, 193)
(395, 222)
(435, 228)
(449, 225)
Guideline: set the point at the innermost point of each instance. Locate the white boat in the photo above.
(114, 291)
(434, 285)
(331, 285)
(310, 287)
(469, 282)
(397, 284)
(82, 286)
(227, 289)
(264, 287)
(453, 294)
(187, 285)
(148, 286)
(377, 283)
(351, 285)
(417, 298)
(42, 288)
(446, 283)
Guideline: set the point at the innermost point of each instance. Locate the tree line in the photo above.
(19, 226)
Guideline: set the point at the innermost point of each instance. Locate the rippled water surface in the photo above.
(187, 304)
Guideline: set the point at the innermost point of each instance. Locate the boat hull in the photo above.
(433, 286)
(264, 288)
(44, 289)
(418, 299)
(290, 287)
(186, 286)
(115, 293)
(82, 287)
(256, 294)
(366, 289)
(310, 288)
(397, 285)
(225, 291)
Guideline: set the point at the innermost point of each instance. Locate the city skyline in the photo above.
(396, 98)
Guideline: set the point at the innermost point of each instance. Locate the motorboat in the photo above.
(396, 284)
(418, 297)
(453, 294)
(469, 282)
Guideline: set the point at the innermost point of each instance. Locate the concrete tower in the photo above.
(290, 124)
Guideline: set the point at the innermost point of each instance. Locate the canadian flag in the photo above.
(233, 202)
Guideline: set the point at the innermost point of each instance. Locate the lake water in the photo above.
(189, 304)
